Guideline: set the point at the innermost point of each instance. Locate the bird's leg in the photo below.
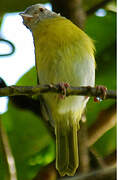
(103, 89)
(63, 87)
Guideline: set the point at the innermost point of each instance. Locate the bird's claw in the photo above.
(103, 90)
(63, 87)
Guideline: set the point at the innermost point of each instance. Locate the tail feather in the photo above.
(66, 147)
(73, 150)
(62, 150)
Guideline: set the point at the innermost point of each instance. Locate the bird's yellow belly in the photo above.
(78, 73)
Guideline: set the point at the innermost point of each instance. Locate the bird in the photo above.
(63, 54)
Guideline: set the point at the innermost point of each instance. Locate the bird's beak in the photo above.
(26, 17)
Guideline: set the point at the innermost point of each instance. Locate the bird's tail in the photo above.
(66, 147)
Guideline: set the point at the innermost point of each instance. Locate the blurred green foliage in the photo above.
(103, 32)
(16, 5)
(3, 164)
(31, 143)
(92, 4)
(107, 143)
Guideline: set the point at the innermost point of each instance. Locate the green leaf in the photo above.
(31, 143)
(29, 78)
(90, 4)
(17, 6)
(112, 6)
(103, 31)
(106, 143)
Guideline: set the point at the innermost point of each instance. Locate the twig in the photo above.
(84, 160)
(99, 160)
(47, 173)
(97, 6)
(102, 174)
(111, 159)
(40, 89)
(105, 121)
(8, 153)
(71, 9)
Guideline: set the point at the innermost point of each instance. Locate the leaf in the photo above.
(29, 78)
(30, 141)
(111, 6)
(103, 31)
(106, 143)
(87, 4)
(17, 6)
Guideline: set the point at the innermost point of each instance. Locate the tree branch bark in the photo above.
(40, 89)
(71, 9)
(102, 174)
(8, 153)
(84, 161)
(48, 172)
(97, 6)
(111, 159)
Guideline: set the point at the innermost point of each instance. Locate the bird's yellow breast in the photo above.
(64, 53)
(59, 44)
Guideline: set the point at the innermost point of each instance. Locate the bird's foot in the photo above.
(103, 90)
(63, 87)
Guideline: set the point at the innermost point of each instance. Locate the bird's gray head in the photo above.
(36, 13)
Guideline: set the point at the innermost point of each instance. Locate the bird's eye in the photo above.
(41, 9)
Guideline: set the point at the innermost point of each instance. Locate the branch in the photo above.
(48, 172)
(96, 160)
(97, 6)
(71, 9)
(84, 161)
(105, 121)
(102, 174)
(8, 153)
(111, 159)
(40, 89)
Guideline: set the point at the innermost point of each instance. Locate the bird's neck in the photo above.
(45, 24)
